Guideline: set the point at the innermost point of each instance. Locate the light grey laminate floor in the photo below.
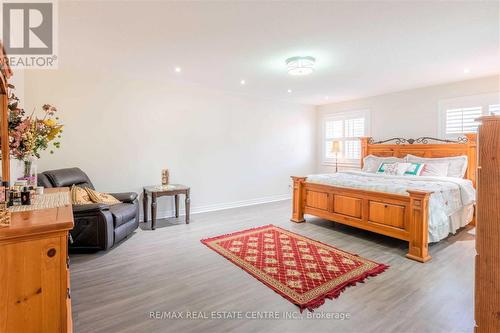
(169, 270)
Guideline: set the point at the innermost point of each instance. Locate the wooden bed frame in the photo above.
(394, 215)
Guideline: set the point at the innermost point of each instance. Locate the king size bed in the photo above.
(421, 206)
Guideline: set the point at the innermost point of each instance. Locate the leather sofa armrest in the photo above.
(90, 208)
(43, 181)
(94, 229)
(127, 197)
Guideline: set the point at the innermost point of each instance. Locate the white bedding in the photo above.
(447, 204)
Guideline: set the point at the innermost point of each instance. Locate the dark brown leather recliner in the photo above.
(97, 226)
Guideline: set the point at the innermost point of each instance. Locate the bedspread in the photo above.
(449, 195)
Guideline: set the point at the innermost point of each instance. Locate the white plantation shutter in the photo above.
(494, 109)
(354, 127)
(352, 149)
(334, 129)
(346, 128)
(457, 115)
(461, 120)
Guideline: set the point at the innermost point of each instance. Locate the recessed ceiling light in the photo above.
(466, 70)
(242, 82)
(178, 69)
(289, 91)
(300, 65)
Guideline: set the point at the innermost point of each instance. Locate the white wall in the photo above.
(229, 149)
(410, 113)
(127, 115)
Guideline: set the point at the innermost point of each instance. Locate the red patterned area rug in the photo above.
(300, 269)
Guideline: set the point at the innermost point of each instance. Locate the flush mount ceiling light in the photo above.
(300, 65)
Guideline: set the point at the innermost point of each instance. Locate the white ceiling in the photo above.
(362, 48)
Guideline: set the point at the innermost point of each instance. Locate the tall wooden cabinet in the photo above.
(34, 272)
(487, 288)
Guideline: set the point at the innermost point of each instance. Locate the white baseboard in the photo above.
(161, 214)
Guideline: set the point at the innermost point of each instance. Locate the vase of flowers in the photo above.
(29, 171)
(29, 135)
(27, 167)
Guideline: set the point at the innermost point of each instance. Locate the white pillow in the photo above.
(456, 168)
(371, 163)
(415, 169)
(435, 169)
(395, 169)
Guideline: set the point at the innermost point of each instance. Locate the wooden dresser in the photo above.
(487, 288)
(34, 274)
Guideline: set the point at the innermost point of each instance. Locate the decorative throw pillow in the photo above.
(415, 169)
(79, 196)
(371, 163)
(99, 197)
(435, 169)
(395, 169)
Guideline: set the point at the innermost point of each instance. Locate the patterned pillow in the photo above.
(415, 169)
(371, 163)
(99, 197)
(79, 196)
(394, 169)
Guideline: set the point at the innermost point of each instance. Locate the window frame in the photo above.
(483, 100)
(343, 115)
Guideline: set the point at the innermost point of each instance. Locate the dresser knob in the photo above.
(51, 252)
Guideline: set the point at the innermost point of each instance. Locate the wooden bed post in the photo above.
(298, 200)
(471, 172)
(472, 157)
(419, 226)
(364, 149)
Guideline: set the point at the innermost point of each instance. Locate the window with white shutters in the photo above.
(457, 115)
(346, 129)
(459, 121)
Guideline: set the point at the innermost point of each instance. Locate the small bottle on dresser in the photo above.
(14, 198)
(4, 192)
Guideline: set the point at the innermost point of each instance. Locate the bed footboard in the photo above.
(400, 216)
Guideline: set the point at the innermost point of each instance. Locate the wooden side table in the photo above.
(164, 190)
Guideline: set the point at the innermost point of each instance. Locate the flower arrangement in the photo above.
(30, 135)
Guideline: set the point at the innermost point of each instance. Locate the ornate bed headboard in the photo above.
(425, 147)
